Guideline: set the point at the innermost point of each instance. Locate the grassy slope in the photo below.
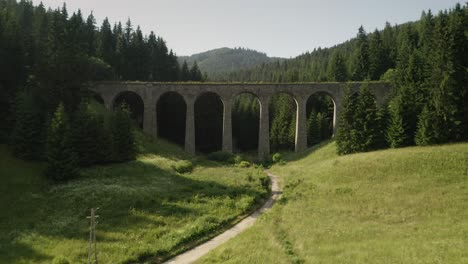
(146, 208)
(394, 206)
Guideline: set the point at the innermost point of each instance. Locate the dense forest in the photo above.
(219, 62)
(47, 57)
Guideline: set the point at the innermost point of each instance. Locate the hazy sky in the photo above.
(284, 28)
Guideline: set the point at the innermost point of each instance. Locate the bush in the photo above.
(237, 159)
(60, 260)
(244, 164)
(183, 166)
(221, 156)
(276, 158)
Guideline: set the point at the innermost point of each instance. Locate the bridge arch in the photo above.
(245, 121)
(226, 92)
(321, 117)
(209, 116)
(171, 111)
(134, 102)
(283, 121)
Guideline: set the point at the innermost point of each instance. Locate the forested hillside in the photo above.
(53, 52)
(47, 56)
(427, 63)
(219, 62)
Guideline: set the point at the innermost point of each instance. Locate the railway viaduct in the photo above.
(150, 93)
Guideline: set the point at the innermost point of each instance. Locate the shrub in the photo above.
(244, 164)
(237, 159)
(183, 166)
(60, 260)
(221, 156)
(276, 158)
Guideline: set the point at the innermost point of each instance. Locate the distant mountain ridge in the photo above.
(223, 60)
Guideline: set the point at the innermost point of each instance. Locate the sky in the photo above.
(280, 28)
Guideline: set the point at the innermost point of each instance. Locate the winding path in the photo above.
(194, 254)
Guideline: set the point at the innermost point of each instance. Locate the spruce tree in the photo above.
(122, 135)
(337, 70)
(377, 56)
(195, 73)
(314, 129)
(61, 158)
(26, 139)
(424, 134)
(346, 132)
(361, 56)
(320, 129)
(185, 72)
(86, 135)
(366, 123)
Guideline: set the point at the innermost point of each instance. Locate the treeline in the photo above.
(46, 59)
(218, 62)
(426, 61)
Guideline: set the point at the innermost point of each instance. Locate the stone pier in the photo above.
(151, 92)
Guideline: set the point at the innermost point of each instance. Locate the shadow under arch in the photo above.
(135, 104)
(209, 108)
(321, 117)
(283, 112)
(171, 110)
(245, 122)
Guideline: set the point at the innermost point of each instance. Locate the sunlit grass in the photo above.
(394, 206)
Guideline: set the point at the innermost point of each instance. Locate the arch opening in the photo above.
(208, 123)
(135, 104)
(283, 112)
(321, 118)
(171, 112)
(245, 122)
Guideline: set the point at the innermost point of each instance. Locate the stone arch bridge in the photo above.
(150, 93)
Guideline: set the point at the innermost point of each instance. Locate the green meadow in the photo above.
(148, 211)
(405, 205)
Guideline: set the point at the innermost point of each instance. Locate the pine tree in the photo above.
(61, 157)
(397, 132)
(26, 140)
(366, 123)
(106, 43)
(424, 134)
(377, 56)
(185, 72)
(361, 56)
(195, 73)
(283, 126)
(346, 132)
(337, 70)
(122, 135)
(86, 135)
(314, 129)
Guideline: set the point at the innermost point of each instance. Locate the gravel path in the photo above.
(194, 254)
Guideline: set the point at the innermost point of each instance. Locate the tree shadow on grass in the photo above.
(121, 191)
(12, 251)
